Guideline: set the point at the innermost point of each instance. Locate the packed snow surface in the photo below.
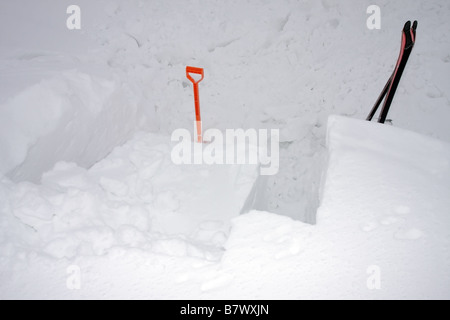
(90, 198)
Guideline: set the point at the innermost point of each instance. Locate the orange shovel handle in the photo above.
(196, 71)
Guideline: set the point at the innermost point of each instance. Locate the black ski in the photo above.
(408, 40)
(380, 99)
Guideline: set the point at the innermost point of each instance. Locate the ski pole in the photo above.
(198, 119)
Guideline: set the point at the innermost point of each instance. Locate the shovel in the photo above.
(198, 118)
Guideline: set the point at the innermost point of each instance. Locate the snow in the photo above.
(87, 182)
(133, 195)
(403, 226)
(122, 251)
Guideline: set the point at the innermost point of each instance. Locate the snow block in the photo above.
(385, 199)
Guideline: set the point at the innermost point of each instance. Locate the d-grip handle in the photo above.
(196, 71)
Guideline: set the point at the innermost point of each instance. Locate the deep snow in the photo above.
(401, 230)
(74, 96)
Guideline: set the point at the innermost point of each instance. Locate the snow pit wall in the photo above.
(73, 117)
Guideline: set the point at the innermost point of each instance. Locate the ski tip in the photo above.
(407, 26)
(414, 26)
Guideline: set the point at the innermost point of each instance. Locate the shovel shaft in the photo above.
(197, 103)
(198, 118)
